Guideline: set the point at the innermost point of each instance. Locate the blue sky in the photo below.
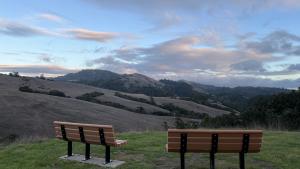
(224, 43)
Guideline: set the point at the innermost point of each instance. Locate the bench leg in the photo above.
(107, 154)
(212, 160)
(87, 151)
(182, 160)
(242, 160)
(69, 148)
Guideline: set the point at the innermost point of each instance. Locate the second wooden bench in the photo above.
(214, 141)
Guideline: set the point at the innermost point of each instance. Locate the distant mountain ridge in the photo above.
(133, 83)
(236, 98)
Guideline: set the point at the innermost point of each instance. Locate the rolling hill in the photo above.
(236, 98)
(32, 114)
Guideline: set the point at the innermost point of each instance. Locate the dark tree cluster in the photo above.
(180, 112)
(280, 111)
(51, 92)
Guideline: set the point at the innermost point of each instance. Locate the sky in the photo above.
(223, 43)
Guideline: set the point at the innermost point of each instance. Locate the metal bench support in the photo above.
(87, 145)
(214, 149)
(107, 154)
(107, 147)
(87, 151)
(183, 147)
(64, 135)
(244, 150)
(69, 148)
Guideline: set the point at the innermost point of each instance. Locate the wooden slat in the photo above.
(207, 147)
(90, 141)
(191, 139)
(58, 123)
(207, 134)
(221, 140)
(208, 151)
(212, 131)
(91, 128)
(86, 132)
(91, 137)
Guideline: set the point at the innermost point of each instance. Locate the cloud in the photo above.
(248, 65)
(234, 81)
(167, 20)
(19, 29)
(294, 67)
(12, 28)
(188, 58)
(177, 55)
(36, 69)
(193, 5)
(51, 17)
(46, 58)
(85, 34)
(276, 42)
(164, 14)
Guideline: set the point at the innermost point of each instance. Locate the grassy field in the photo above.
(280, 150)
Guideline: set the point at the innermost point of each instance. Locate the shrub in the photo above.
(89, 96)
(14, 74)
(135, 98)
(180, 124)
(57, 93)
(180, 112)
(26, 89)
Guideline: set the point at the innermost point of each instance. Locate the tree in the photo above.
(14, 74)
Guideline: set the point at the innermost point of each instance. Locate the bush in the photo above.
(26, 89)
(14, 74)
(57, 93)
(89, 96)
(226, 120)
(135, 98)
(180, 124)
(180, 112)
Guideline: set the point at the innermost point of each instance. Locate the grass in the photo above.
(280, 150)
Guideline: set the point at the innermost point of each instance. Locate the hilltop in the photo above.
(280, 150)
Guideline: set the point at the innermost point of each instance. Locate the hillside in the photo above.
(237, 97)
(134, 83)
(280, 150)
(222, 97)
(24, 113)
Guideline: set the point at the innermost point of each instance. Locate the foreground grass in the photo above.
(280, 150)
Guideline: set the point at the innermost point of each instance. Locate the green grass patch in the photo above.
(280, 150)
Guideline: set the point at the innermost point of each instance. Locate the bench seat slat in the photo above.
(95, 129)
(92, 137)
(233, 148)
(88, 140)
(59, 123)
(212, 131)
(221, 139)
(86, 132)
(208, 134)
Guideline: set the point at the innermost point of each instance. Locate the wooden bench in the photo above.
(88, 134)
(214, 141)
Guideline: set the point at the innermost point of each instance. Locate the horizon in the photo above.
(220, 43)
(47, 77)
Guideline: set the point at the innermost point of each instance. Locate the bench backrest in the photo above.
(223, 141)
(89, 133)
